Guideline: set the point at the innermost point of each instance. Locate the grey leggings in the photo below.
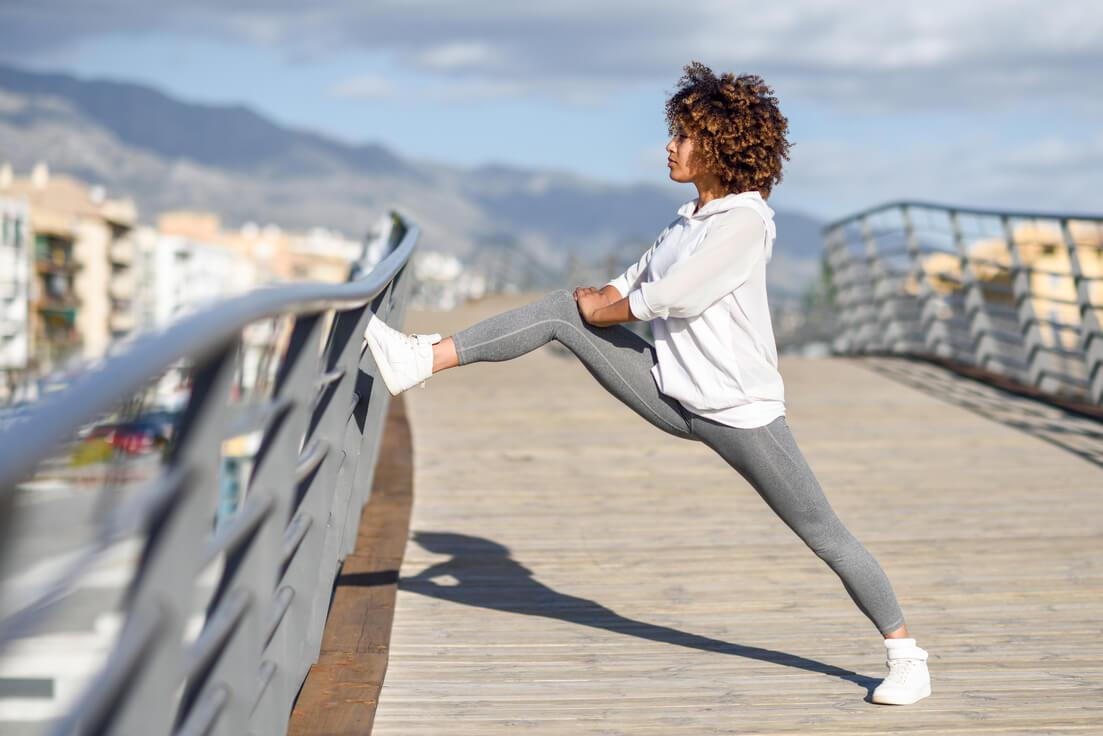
(767, 457)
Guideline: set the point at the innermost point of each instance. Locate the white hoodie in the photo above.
(702, 285)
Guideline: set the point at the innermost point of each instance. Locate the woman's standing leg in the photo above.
(768, 457)
(618, 358)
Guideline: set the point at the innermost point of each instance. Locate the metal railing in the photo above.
(318, 421)
(1018, 294)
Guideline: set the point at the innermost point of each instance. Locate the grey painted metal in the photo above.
(984, 311)
(319, 431)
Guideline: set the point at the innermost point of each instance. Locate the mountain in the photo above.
(229, 137)
(171, 154)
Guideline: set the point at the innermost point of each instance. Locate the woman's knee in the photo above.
(829, 540)
(562, 297)
(561, 303)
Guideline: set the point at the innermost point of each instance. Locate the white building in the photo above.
(181, 274)
(15, 281)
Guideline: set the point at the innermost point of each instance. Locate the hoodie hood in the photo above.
(750, 199)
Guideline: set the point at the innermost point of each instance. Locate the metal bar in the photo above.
(238, 529)
(216, 631)
(256, 417)
(95, 706)
(1025, 214)
(311, 459)
(204, 715)
(281, 603)
(296, 532)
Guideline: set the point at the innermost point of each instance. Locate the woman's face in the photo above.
(682, 158)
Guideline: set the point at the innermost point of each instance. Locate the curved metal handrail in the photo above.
(979, 211)
(958, 304)
(319, 424)
(31, 440)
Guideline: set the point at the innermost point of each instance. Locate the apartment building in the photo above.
(15, 283)
(82, 265)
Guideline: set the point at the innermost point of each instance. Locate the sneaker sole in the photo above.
(389, 379)
(887, 700)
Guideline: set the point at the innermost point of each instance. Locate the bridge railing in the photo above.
(1018, 294)
(316, 424)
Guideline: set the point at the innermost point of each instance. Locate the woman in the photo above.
(712, 373)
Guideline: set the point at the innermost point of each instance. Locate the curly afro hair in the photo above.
(736, 125)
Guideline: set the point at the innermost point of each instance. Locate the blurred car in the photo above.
(133, 436)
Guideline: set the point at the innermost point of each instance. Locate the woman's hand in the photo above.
(588, 304)
(585, 290)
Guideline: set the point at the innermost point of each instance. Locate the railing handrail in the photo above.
(980, 211)
(275, 521)
(1045, 336)
(29, 441)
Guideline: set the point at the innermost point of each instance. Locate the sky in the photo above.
(979, 103)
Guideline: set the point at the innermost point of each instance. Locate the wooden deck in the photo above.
(573, 570)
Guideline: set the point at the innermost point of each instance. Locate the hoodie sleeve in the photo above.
(627, 280)
(723, 261)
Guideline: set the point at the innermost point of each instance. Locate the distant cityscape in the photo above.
(80, 271)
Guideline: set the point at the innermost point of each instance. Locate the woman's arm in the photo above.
(609, 314)
(720, 264)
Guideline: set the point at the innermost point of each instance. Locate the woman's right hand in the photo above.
(584, 290)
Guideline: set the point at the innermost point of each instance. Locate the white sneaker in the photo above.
(403, 360)
(908, 679)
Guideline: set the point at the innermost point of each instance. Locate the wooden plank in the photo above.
(341, 690)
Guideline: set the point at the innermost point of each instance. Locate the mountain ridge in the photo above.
(231, 159)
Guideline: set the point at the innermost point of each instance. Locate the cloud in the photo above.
(832, 176)
(847, 53)
(472, 91)
(366, 86)
(458, 55)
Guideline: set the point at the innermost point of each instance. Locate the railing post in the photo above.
(161, 594)
(916, 272)
(982, 326)
(837, 256)
(1024, 308)
(872, 333)
(1091, 332)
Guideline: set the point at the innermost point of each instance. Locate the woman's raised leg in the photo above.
(618, 358)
